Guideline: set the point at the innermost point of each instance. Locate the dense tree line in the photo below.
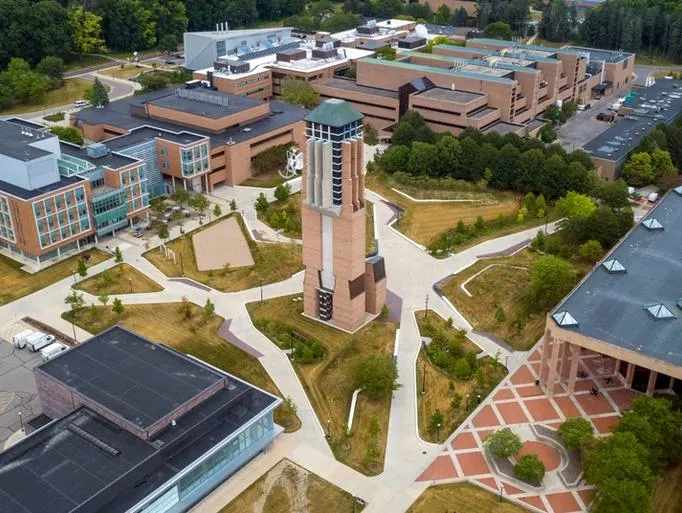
(32, 30)
(558, 20)
(513, 12)
(654, 26)
(504, 162)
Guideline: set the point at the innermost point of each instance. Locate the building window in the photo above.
(164, 151)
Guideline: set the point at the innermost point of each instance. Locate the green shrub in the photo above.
(461, 369)
(271, 159)
(530, 469)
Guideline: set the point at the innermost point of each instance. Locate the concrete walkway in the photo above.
(411, 273)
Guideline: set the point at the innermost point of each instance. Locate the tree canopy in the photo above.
(299, 92)
(377, 376)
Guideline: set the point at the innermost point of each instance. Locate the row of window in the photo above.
(259, 78)
(6, 226)
(59, 202)
(64, 233)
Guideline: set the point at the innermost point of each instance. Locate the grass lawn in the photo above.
(120, 279)
(437, 393)
(266, 180)
(15, 283)
(69, 92)
(425, 222)
(644, 58)
(288, 215)
(128, 71)
(197, 336)
(503, 285)
(461, 498)
(668, 496)
(272, 263)
(329, 380)
(288, 488)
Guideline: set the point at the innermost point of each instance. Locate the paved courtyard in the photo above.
(222, 243)
(519, 403)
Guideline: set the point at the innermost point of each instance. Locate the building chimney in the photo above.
(217, 27)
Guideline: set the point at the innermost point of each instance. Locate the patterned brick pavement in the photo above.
(516, 403)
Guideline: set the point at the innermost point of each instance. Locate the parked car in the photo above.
(81, 103)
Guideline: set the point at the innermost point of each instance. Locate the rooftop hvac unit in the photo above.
(97, 150)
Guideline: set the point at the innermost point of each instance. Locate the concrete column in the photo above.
(38, 260)
(563, 373)
(652, 382)
(173, 180)
(630, 374)
(616, 368)
(573, 372)
(552, 379)
(59, 253)
(544, 363)
(78, 244)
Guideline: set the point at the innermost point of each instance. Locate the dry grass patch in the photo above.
(499, 303)
(438, 389)
(461, 498)
(120, 279)
(197, 336)
(15, 283)
(265, 180)
(71, 90)
(424, 222)
(329, 378)
(272, 263)
(668, 496)
(289, 488)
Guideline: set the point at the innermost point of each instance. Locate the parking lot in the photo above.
(17, 388)
(583, 127)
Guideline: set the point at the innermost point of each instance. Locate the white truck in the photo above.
(52, 350)
(19, 340)
(38, 340)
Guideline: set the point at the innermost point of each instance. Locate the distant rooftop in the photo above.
(205, 102)
(351, 85)
(626, 301)
(611, 56)
(241, 33)
(436, 69)
(660, 103)
(131, 377)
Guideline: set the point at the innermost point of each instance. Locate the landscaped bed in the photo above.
(15, 283)
(426, 223)
(332, 357)
(446, 384)
(285, 216)
(120, 279)
(461, 498)
(289, 488)
(197, 335)
(272, 263)
(499, 301)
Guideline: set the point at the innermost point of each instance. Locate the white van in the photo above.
(52, 350)
(19, 340)
(80, 103)
(38, 340)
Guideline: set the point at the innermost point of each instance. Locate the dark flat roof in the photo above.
(612, 306)
(117, 114)
(112, 160)
(27, 195)
(147, 133)
(233, 103)
(15, 143)
(502, 128)
(133, 378)
(57, 470)
(351, 85)
(660, 103)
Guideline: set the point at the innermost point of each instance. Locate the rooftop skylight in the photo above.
(652, 224)
(660, 311)
(564, 318)
(613, 265)
(678, 190)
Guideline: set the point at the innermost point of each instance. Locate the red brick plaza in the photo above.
(519, 402)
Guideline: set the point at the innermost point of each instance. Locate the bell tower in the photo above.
(341, 284)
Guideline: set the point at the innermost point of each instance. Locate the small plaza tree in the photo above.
(503, 443)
